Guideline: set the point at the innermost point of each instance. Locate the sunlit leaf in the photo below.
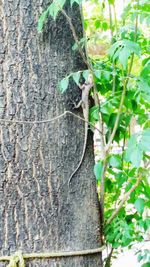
(94, 114)
(76, 77)
(115, 161)
(134, 153)
(63, 85)
(75, 1)
(98, 168)
(111, 1)
(139, 205)
(97, 24)
(105, 26)
(123, 49)
(138, 144)
(121, 178)
(97, 73)
(144, 142)
(42, 20)
(85, 74)
(53, 10)
(123, 56)
(147, 264)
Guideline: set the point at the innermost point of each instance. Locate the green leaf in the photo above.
(75, 1)
(98, 168)
(55, 7)
(123, 57)
(76, 77)
(97, 24)
(105, 26)
(75, 47)
(121, 178)
(115, 161)
(140, 257)
(136, 157)
(143, 85)
(53, 10)
(145, 73)
(97, 73)
(121, 50)
(114, 47)
(134, 153)
(145, 61)
(42, 20)
(147, 264)
(144, 142)
(107, 75)
(63, 85)
(107, 108)
(132, 46)
(94, 114)
(86, 74)
(111, 2)
(139, 205)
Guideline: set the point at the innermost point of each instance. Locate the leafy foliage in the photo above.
(144, 256)
(137, 145)
(53, 10)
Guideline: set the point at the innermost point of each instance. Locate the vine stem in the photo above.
(115, 17)
(72, 28)
(49, 120)
(117, 118)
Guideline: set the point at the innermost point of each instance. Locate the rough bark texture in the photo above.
(37, 160)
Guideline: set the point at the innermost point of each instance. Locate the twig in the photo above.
(112, 41)
(108, 259)
(117, 118)
(115, 17)
(111, 23)
(72, 28)
(84, 34)
(126, 196)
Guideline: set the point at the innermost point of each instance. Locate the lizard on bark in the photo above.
(84, 103)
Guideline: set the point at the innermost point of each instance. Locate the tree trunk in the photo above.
(36, 160)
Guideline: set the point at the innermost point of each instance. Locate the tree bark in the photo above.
(36, 160)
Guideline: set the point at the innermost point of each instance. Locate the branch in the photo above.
(126, 196)
(112, 35)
